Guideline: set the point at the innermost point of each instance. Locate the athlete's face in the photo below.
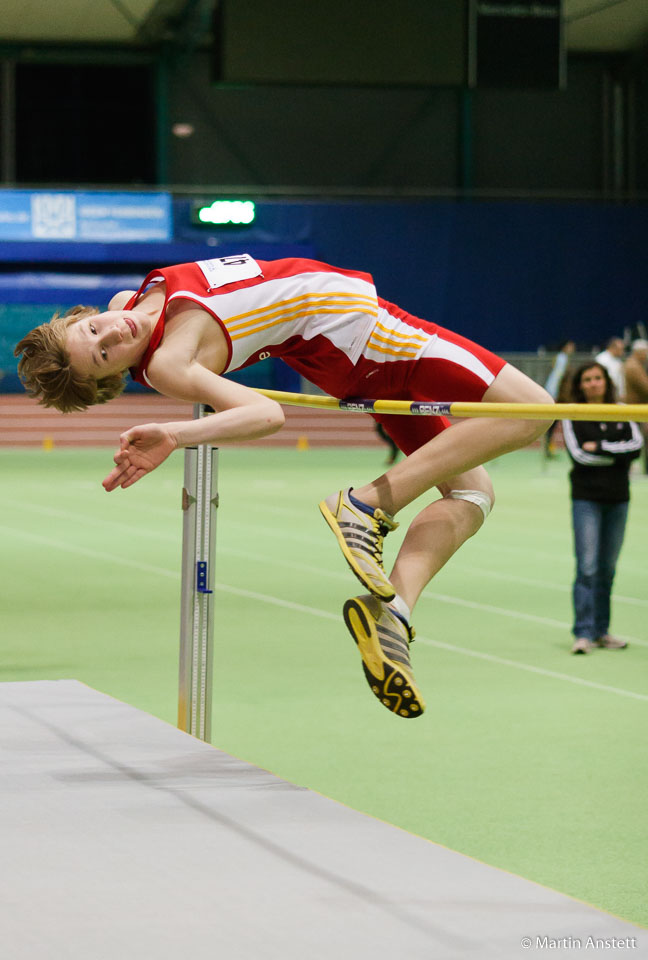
(593, 385)
(108, 343)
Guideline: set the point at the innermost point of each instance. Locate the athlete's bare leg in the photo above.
(382, 630)
(462, 447)
(380, 623)
(436, 533)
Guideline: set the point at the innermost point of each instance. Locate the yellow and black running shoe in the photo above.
(383, 638)
(361, 536)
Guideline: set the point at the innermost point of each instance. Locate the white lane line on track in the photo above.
(430, 595)
(122, 561)
(324, 614)
(533, 582)
(514, 614)
(540, 670)
(456, 564)
(87, 519)
(555, 559)
(427, 595)
(453, 648)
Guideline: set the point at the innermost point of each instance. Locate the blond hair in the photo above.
(45, 367)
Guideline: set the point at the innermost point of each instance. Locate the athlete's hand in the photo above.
(141, 450)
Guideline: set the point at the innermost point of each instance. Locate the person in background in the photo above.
(612, 359)
(601, 453)
(557, 383)
(636, 381)
(394, 452)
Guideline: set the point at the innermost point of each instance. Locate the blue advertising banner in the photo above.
(93, 216)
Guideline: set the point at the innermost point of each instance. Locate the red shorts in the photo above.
(452, 368)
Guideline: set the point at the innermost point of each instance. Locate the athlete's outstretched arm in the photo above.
(241, 414)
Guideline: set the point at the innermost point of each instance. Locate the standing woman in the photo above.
(600, 490)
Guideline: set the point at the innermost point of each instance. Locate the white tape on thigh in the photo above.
(478, 497)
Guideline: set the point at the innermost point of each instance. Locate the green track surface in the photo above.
(527, 758)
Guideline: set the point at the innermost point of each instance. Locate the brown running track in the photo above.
(24, 423)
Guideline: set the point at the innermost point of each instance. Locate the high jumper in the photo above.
(190, 324)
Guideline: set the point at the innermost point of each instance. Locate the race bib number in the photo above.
(226, 270)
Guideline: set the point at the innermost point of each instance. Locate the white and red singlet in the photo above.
(330, 326)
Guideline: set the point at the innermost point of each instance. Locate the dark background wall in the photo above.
(440, 138)
(543, 139)
(112, 120)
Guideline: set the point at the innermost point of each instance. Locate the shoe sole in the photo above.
(386, 594)
(388, 682)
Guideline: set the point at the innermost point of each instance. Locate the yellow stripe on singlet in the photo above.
(278, 309)
(316, 305)
(393, 353)
(284, 319)
(405, 336)
(401, 348)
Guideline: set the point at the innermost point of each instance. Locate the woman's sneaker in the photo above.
(383, 638)
(607, 642)
(361, 536)
(582, 645)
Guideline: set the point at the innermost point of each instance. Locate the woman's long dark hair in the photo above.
(577, 395)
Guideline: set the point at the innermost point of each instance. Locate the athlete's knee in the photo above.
(480, 498)
(534, 393)
(530, 430)
(473, 487)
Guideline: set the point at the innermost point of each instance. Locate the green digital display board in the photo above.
(224, 213)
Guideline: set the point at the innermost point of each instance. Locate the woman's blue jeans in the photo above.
(598, 536)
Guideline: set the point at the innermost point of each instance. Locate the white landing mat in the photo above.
(122, 838)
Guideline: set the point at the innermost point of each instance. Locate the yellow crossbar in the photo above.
(614, 412)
